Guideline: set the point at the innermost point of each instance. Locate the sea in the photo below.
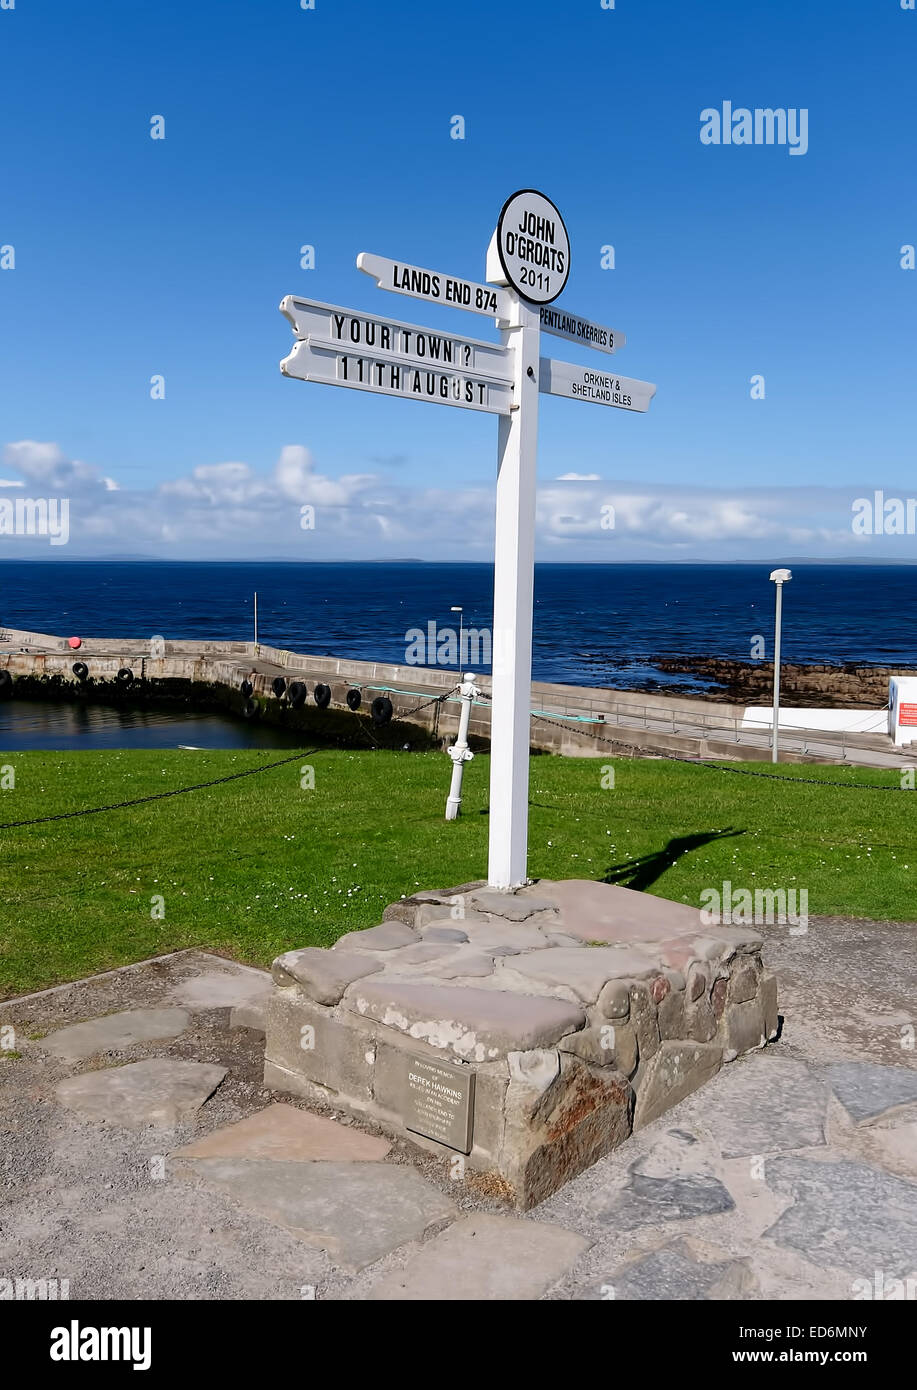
(603, 625)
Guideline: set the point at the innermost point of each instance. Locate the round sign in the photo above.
(533, 246)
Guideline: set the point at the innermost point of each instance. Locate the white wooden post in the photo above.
(514, 560)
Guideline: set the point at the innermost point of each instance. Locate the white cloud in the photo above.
(221, 510)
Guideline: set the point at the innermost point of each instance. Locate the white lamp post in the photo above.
(457, 609)
(779, 577)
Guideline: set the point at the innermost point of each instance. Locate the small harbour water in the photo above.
(61, 725)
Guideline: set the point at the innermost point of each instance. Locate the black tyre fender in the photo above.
(125, 676)
(322, 696)
(354, 698)
(251, 709)
(246, 688)
(298, 693)
(80, 670)
(6, 684)
(279, 686)
(382, 709)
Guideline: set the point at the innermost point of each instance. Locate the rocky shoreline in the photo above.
(807, 686)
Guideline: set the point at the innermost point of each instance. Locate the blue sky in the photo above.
(331, 127)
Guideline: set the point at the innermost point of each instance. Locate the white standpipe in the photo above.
(460, 753)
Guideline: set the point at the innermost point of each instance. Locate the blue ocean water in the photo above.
(594, 624)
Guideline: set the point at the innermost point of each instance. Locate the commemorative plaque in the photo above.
(437, 1100)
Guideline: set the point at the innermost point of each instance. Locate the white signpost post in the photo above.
(528, 262)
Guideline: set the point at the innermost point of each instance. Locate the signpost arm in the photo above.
(514, 559)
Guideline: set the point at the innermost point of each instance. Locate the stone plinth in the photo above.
(583, 1010)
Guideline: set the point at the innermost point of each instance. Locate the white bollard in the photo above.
(460, 753)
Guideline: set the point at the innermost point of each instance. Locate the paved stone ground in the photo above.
(141, 1157)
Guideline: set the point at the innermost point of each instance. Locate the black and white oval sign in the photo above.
(533, 246)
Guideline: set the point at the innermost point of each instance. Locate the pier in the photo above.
(572, 720)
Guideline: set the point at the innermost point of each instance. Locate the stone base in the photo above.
(583, 1010)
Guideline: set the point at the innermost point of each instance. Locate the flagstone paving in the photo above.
(143, 1157)
(117, 1031)
(283, 1132)
(356, 1211)
(156, 1092)
(485, 1257)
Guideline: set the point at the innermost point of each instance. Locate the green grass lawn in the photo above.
(260, 865)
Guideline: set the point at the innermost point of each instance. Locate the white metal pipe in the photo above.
(460, 753)
(774, 735)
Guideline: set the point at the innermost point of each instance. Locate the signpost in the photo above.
(434, 286)
(342, 347)
(532, 247)
(584, 384)
(563, 324)
(528, 263)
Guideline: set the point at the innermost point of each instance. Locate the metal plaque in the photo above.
(437, 1100)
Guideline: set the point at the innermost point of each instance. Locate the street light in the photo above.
(779, 577)
(456, 609)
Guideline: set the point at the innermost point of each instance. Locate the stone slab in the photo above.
(483, 1258)
(760, 1105)
(673, 1072)
(283, 1132)
(608, 913)
(251, 1015)
(582, 969)
(511, 936)
(475, 1024)
(223, 989)
(158, 1092)
(357, 1212)
(867, 1091)
(323, 975)
(115, 1032)
(387, 936)
(675, 1273)
(441, 933)
(514, 907)
(306, 1040)
(467, 963)
(648, 1201)
(604, 1045)
(850, 1215)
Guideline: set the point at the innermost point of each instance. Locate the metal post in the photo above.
(774, 729)
(461, 657)
(460, 753)
(256, 620)
(514, 561)
(774, 754)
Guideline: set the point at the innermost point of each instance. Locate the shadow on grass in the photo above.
(641, 872)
